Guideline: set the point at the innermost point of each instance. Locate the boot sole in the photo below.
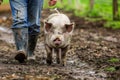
(20, 57)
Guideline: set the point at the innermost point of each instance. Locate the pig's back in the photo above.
(58, 18)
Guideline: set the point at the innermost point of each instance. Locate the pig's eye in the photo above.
(59, 32)
(64, 31)
(52, 31)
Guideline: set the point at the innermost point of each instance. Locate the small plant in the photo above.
(113, 60)
(113, 24)
(111, 69)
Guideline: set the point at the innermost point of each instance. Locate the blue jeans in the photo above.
(26, 14)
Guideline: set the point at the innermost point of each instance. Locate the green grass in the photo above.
(102, 9)
(113, 24)
(112, 61)
(5, 1)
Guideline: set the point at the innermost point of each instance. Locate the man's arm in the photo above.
(1, 2)
(52, 2)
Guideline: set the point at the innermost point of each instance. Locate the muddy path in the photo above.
(92, 48)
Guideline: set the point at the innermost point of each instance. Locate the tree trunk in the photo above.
(115, 10)
(91, 5)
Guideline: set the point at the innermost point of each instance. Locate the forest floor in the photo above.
(94, 53)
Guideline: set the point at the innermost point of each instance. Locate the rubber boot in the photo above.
(31, 46)
(21, 41)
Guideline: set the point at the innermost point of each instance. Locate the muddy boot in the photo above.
(31, 46)
(21, 41)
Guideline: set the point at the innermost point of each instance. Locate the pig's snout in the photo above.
(57, 41)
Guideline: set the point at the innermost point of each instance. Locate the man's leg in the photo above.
(34, 13)
(20, 29)
(21, 41)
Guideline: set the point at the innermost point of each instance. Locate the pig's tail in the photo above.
(57, 10)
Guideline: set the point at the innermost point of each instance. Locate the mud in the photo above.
(89, 57)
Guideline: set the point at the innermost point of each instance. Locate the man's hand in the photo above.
(52, 2)
(1, 2)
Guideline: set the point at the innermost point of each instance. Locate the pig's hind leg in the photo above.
(64, 51)
(62, 56)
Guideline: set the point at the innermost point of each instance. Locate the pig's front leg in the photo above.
(59, 59)
(49, 55)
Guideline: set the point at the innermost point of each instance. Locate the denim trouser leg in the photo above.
(26, 13)
(19, 13)
(34, 14)
(21, 38)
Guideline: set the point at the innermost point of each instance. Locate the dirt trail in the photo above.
(75, 69)
(91, 48)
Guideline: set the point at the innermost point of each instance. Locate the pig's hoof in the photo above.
(49, 62)
(58, 62)
(63, 64)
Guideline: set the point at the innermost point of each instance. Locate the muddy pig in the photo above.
(57, 32)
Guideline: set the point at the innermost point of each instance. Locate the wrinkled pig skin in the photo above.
(58, 32)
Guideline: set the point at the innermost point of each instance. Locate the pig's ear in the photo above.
(69, 27)
(47, 26)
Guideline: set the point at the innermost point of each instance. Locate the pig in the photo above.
(58, 32)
